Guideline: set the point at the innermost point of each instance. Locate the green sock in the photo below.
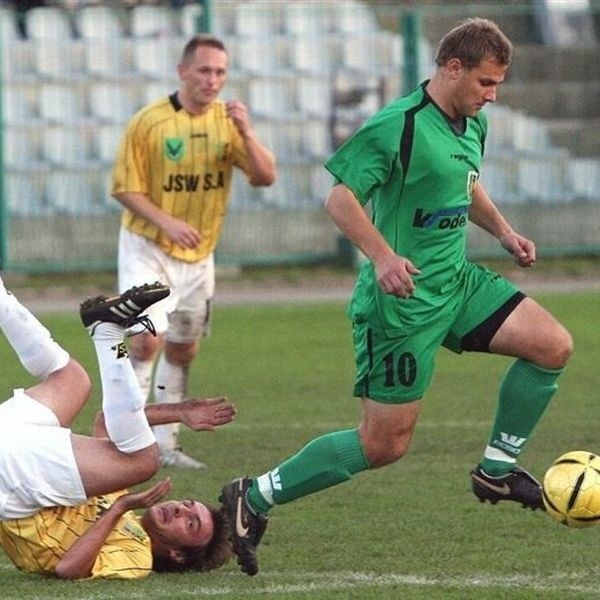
(524, 395)
(322, 463)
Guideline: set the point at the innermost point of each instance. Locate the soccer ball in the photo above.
(571, 489)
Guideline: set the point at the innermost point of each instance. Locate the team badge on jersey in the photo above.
(174, 148)
(222, 151)
(472, 179)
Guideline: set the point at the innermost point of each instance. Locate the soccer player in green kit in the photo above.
(417, 162)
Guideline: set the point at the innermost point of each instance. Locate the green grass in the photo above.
(412, 530)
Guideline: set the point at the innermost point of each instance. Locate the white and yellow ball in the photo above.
(571, 489)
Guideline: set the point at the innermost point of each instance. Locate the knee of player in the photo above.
(181, 354)
(144, 347)
(381, 452)
(147, 463)
(559, 350)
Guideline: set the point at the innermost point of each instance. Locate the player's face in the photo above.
(475, 87)
(176, 524)
(203, 76)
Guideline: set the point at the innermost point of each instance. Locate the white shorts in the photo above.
(37, 462)
(185, 314)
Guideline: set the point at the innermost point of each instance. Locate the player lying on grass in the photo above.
(64, 507)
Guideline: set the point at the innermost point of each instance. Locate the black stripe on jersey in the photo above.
(408, 133)
(370, 353)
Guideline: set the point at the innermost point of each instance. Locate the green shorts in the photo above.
(397, 367)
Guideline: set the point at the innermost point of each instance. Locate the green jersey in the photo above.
(418, 170)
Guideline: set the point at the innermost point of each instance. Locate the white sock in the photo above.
(32, 342)
(122, 400)
(143, 371)
(170, 385)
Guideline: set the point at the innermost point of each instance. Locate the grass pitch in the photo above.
(412, 530)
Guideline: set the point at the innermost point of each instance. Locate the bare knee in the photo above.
(181, 354)
(557, 353)
(382, 450)
(144, 347)
(147, 463)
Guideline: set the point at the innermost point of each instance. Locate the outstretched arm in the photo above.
(199, 414)
(79, 559)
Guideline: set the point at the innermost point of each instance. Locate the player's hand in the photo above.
(521, 248)
(204, 414)
(394, 275)
(146, 498)
(181, 233)
(238, 113)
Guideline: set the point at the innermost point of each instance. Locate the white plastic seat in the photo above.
(271, 97)
(584, 178)
(156, 58)
(260, 55)
(66, 146)
(106, 142)
(190, 16)
(306, 18)
(155, 90)
(74, 192)
(61, 103)
(149, 20)
(113, 102)
(25, 193)
(385, 52)
(98, 22)
(59, 59)
(542, 179)
(19, 103)
(255, 19)
(47, 22)
(352, 17)
(18, 60)
(109, 60)
(9, 32)
(314, 96)
(313, 54)
(22, 146)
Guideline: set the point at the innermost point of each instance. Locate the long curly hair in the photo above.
(212, 556)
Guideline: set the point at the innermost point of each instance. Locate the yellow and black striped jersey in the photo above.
(36, 544)
(184, 164)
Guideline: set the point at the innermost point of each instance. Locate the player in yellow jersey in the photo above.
(173, 175)
(64, 506)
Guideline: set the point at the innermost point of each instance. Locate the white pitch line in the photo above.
(330, 582)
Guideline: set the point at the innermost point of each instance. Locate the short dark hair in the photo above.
(472, 41)
(212, 556)
(201, 39)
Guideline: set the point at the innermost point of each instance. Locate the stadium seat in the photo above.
(9, 32)
(25, 192)
(66, 146)
(19, 103)
(111, 102)
(254, 18)
(190, 16)
(75, 192)
(48, 22)
(584, 178)
(18, 60)
(314, 96)
(109, 60)
(99, 22)
(350, 17)
(306, 18)
(385, 53)
(61, 103)
(321, 182)
(543, 178)
(155, 90)
(106, 143)
(271, 97)
(260, 55)
(148, 20)
(156, 58)
(314, 54)
(59, 59)
(22, 146)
